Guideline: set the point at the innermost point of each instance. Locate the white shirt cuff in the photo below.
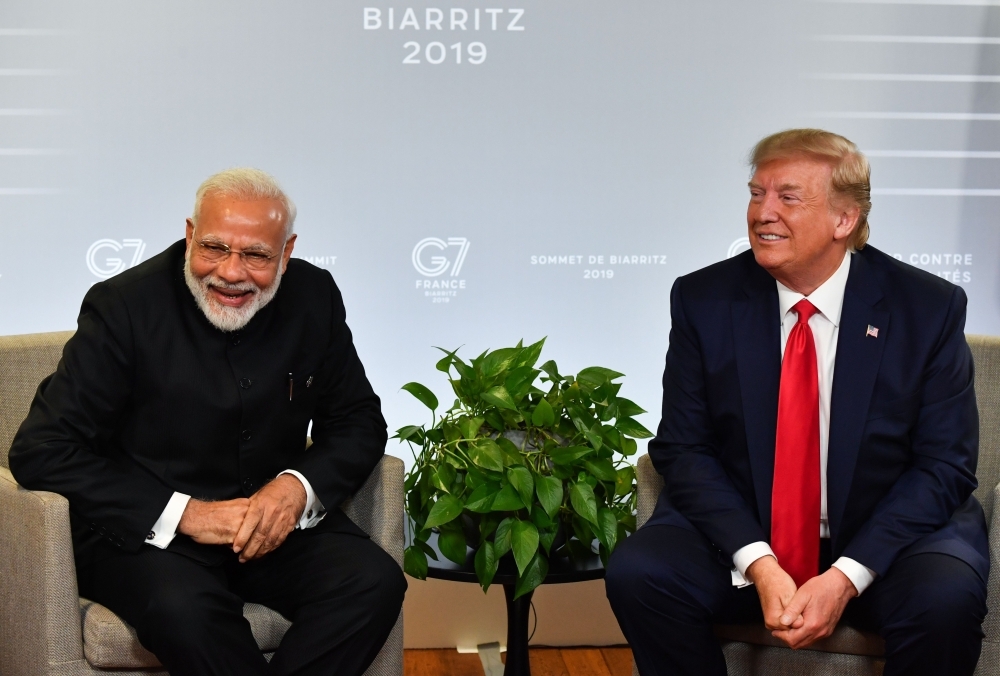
(745, 556)
(314, 511)
(861, 576)
(165, 528)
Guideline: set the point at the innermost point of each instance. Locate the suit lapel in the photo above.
(758, 361)
(855, 371)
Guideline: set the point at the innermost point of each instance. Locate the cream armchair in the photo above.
(46, 629)
(750, 649)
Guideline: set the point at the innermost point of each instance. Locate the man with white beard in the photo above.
(176, 425)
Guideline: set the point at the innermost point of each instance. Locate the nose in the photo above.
(767, 209)
(232, 269)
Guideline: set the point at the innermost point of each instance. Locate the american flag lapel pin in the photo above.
(872, 331)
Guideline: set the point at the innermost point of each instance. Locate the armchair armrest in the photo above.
(377, 507)
(988, 661)
(39, 607)
(649, 483)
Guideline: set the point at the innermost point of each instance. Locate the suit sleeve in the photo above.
(685, 451)
(67, 442)
(944, 447)
(349, 432)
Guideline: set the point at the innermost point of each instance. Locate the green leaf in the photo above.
(444, 364)
(425, 396)
(470, 426)
(594, 436)
(518, 383)
(601, 468)
(499, 397)
(486, 454)
(521, 479)
(623, 480)
(546, 537)
(481, 500)
(498, 361)
(597, 375)
(543, 415)
(632, 428)
(550, 368)
(507, 500)
(550, 493)
(409, 433)
(452, 545)
(444, 477)
(501, 539)
(628, 408)
(444, 510)
(496, 421)
(511, 453)
(607, 528)
(629, 447)
(530, 354)
(581, 495)
(532, 576)
(569, 455)
(487, 563)
(415, 563)
(524, 542)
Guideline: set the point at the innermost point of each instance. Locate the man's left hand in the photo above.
(271, 516)
(820, 602)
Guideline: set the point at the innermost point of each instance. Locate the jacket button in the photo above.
(245, 383)
(236, 339)
(248, 484)
(245, 436)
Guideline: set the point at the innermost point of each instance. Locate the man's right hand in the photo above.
(775, 588)
(213, 523)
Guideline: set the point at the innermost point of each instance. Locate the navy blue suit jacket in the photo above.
(904, 428)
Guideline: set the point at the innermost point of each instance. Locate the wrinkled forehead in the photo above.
(242, 223)
(797, 172)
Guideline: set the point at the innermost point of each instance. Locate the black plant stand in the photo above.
(561, 570)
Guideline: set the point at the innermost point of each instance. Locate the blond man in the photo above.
(818, 440)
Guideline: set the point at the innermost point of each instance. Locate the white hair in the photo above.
(245, 184)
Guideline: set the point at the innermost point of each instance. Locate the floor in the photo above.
(544, 662)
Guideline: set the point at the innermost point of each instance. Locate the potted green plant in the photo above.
(533, 469)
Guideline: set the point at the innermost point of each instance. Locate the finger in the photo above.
(260, 534)
(794, 608)
(247, 528)
(252, 547)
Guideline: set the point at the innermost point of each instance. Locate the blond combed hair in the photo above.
(245, 184)
(851, 171)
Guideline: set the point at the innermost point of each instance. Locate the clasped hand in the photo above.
(253, 526)
(801, 616)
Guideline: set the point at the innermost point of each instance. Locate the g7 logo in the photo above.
(439, 264)
(110, 265)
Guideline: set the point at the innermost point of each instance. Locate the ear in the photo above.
(287, 253)
(188, 234)
(847, 222)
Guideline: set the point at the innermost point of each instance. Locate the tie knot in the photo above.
(805, 310)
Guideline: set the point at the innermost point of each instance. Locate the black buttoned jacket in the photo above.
(149, 398)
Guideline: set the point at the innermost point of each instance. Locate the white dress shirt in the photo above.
(165, 528)
(825, 325)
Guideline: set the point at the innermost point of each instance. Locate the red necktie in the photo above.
(795, 496)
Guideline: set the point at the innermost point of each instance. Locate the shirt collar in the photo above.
(828, 298)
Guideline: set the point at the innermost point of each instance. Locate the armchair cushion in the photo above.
(109, 643)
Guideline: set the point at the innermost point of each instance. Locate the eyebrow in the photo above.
(784, 187)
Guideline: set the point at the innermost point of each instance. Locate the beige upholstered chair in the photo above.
(750, 650)
(46, 629)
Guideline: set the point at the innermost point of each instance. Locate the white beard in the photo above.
(224, 317)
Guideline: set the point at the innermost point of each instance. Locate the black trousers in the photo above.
(668, 586)
(341, 592)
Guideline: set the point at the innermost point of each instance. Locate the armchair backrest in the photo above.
(24, 361)
(986, 355)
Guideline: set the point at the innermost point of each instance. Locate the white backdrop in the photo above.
(548, 170)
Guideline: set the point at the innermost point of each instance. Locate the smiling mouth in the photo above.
(767, 237)
(231, 297)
